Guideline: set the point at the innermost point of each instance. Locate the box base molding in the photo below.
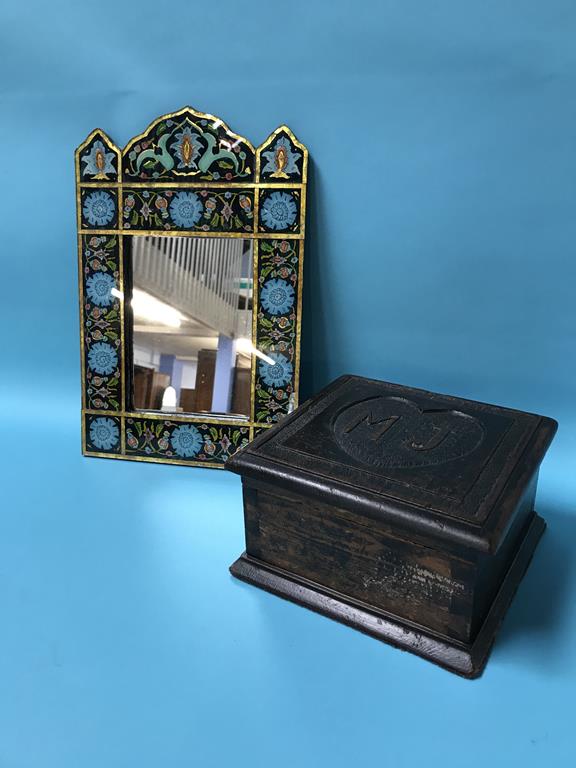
(463, 659)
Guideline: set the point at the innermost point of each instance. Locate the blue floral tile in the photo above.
(102, 434)
(280, 211)
(102, 358)
(277, 296)
(99, 286)
(185, 209)
(277, 375)
(99, 208)
(186, 441)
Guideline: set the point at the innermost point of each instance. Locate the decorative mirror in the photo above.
(190, 245)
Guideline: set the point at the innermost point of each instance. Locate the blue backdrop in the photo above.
(441, 254)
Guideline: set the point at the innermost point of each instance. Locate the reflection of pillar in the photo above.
(173, 367)
(223, 374)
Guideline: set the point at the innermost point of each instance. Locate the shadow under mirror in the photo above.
(192, 324)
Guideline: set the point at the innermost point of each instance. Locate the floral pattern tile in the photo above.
(99, 287)
(102, 434)
(101, 320)
(99, 208)
(277, 296)
(199, 210)
(198, 443)
(279, 211)
(278, 277)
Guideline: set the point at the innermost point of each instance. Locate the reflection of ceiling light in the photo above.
(244, 345)
(149, 308)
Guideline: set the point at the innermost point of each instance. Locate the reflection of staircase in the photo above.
(199, 276)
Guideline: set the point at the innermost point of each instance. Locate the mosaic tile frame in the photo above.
(189, 175)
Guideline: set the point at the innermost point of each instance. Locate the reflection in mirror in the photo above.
(192, 332)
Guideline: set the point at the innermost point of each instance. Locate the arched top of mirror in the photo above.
(190, 146)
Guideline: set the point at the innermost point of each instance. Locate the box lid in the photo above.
(449, 468)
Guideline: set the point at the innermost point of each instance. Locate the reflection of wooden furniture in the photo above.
(159, 383)
(188, 400)
(205, 379)
(149, 386)
(142, 386)
(241, 391)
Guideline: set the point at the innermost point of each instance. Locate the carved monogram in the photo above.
(394, 432)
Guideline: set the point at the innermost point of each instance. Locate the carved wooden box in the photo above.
(405, 514)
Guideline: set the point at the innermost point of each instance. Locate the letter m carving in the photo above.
(383, 425)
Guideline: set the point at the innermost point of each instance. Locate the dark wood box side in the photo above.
(447, 592)
(361, 559)
(492, 569)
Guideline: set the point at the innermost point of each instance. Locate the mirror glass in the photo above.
(192, 324)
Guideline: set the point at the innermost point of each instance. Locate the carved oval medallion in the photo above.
(392, 432)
